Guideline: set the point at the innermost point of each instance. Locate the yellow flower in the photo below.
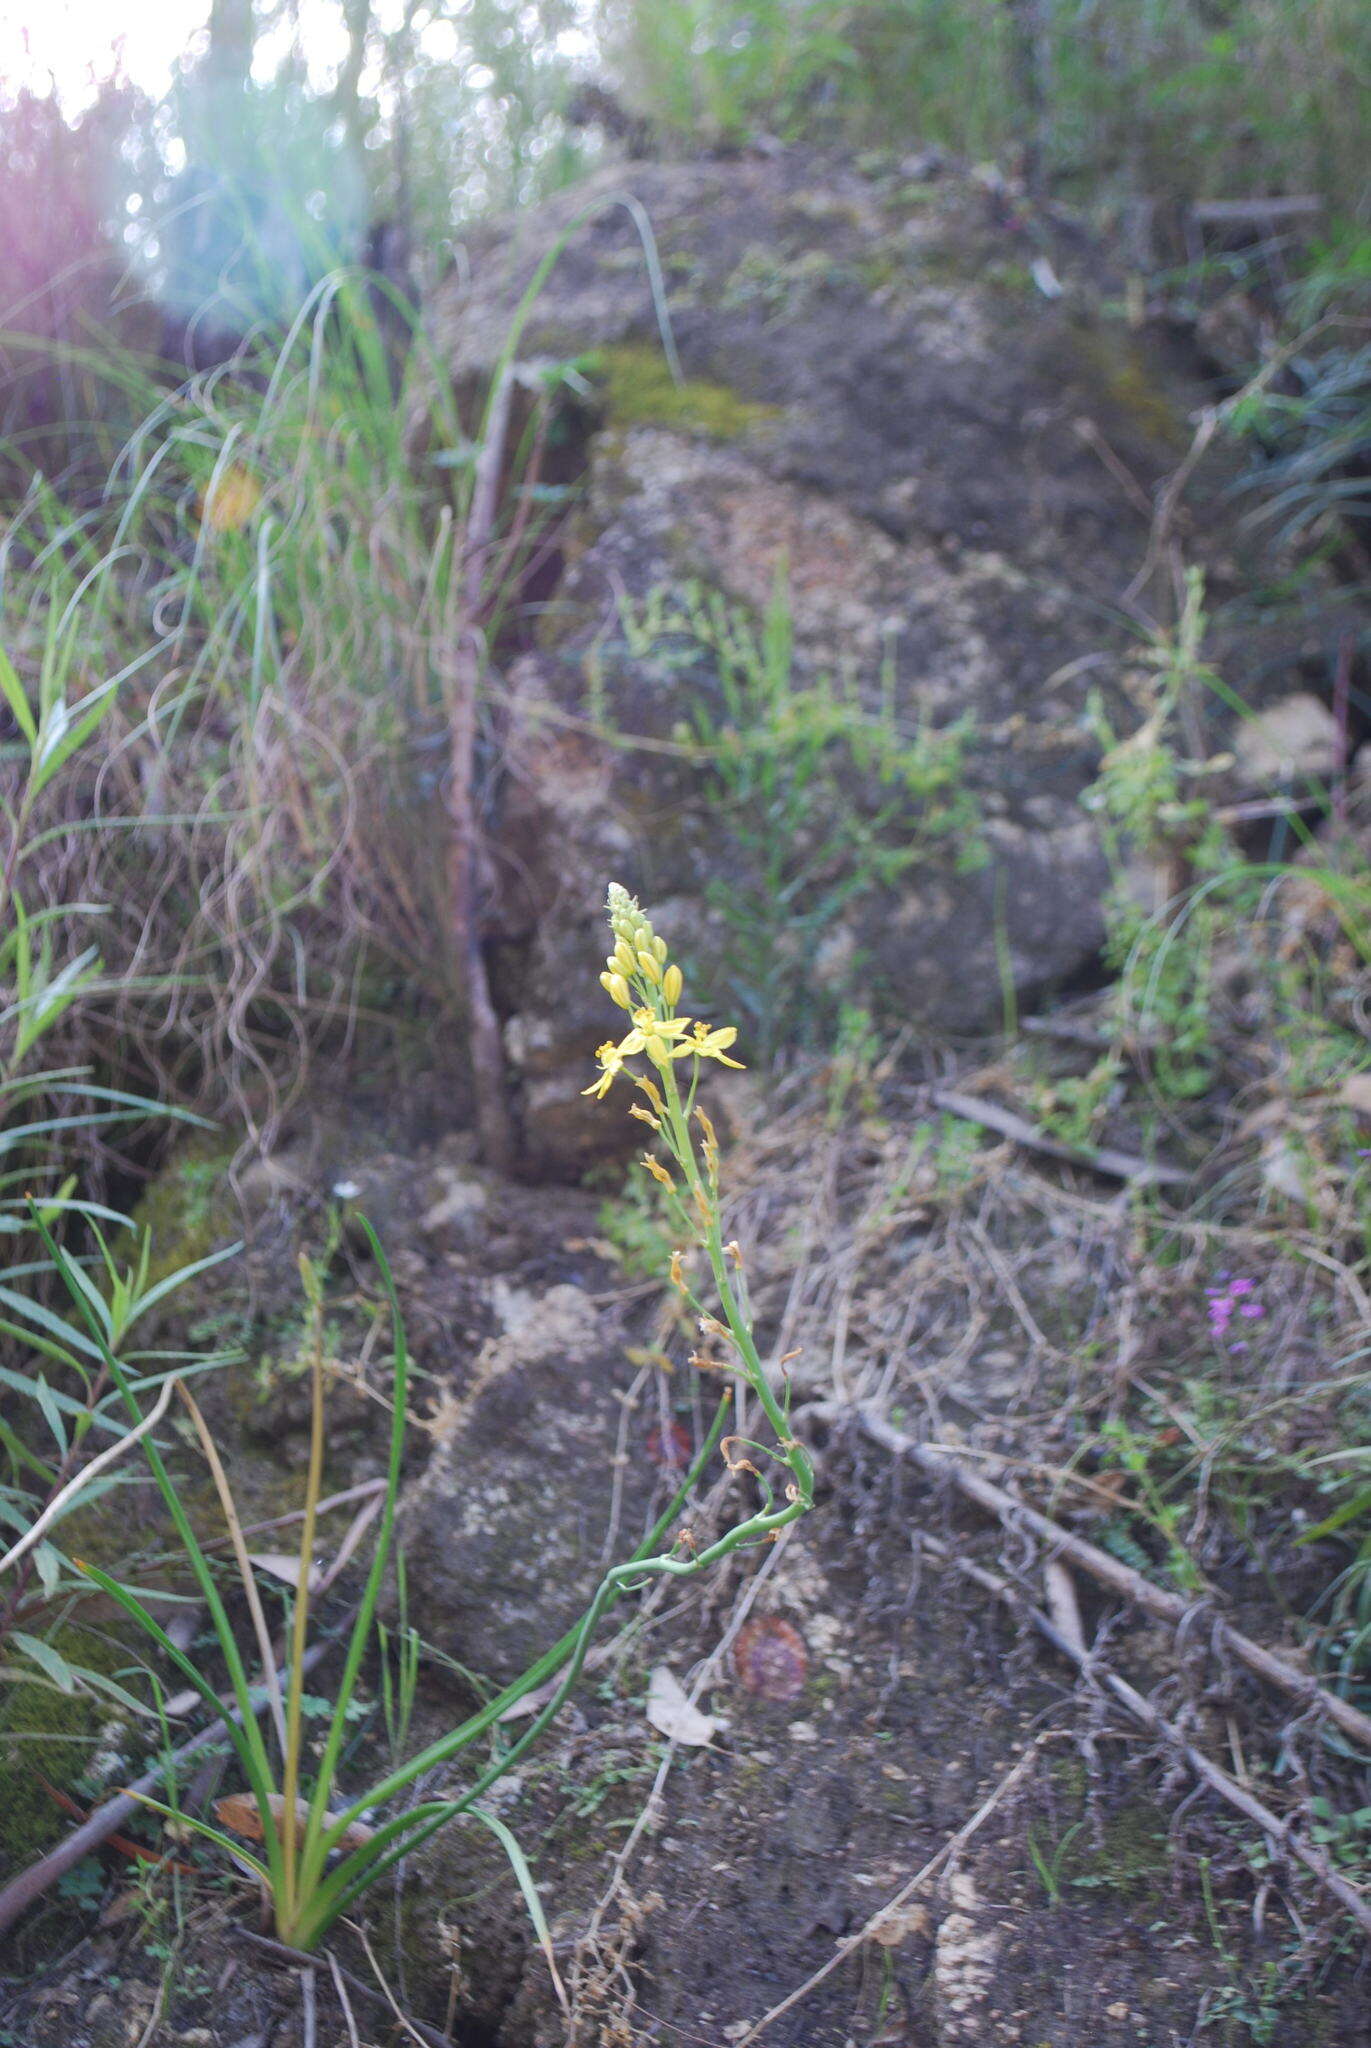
(711, 1045)
(230, 499)
(647, 1021)
(611, 1060)
(649, 1035)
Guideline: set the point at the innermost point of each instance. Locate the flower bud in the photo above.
(659, 948)
(650, 967)
(624, 961)
(617, 989)
(672, 985)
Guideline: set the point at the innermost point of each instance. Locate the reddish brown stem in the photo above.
(465, 663)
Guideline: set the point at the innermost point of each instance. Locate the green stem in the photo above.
(678, 1136)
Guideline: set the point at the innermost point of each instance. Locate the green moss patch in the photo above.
(189, 1208)
(46, 1734)
(639, 390)
(1118, 370)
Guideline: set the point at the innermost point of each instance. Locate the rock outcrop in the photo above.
(813, 678)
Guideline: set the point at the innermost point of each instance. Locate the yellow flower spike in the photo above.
(672, 984)
(658, 1171)
(650, 968)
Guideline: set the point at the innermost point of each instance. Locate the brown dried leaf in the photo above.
(771, 1659)
(240, 1812)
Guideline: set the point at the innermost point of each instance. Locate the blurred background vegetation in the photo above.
(221, 176)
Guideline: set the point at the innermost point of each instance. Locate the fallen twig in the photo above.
(1071, 1644)
(1100, 1158)
(949, 1850)
(137, 1852)
(82, 1479)
(942, 1463)
(1210, 213)
(340, 1990)
(295, 1959)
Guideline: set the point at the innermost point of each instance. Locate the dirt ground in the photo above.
(912, 1821)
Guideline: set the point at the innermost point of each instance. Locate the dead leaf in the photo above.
(672, 1714)
(241, 1813)
(771, 1659)
(284, 1565)
(900, 1923)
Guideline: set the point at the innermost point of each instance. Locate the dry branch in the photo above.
(1072, 1646)
(1100, 1158)
(950, 1849)
(943, 1464)
(463, 658)
(83, 1478)
(295, 1958)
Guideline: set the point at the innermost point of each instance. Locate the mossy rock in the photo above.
(189, 1209)
(50, 1735)
(1126, 379)
(639, 390)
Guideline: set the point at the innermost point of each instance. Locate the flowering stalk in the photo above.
(640, 977)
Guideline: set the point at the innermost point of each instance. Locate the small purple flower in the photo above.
(1229, 1297)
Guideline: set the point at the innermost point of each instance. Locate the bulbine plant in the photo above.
(641, 978)
(320, 1849)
